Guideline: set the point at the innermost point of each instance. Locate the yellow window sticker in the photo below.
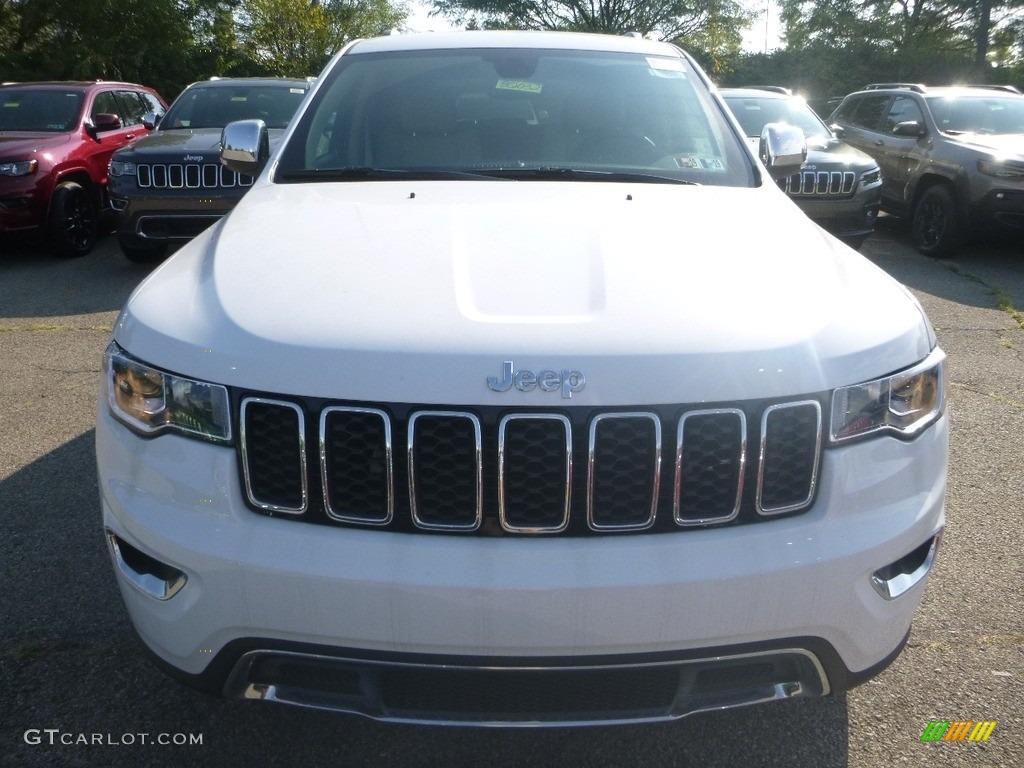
(519, 85)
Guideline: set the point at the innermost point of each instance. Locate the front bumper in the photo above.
(23, 203)
(152, 220)
(852, 219)
(795, 593)
(1002, 209)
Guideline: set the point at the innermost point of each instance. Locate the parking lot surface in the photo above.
(76, 689)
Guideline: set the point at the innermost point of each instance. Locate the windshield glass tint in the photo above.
(488, 110)
(215, 106)
(755, 113)
(973, 114)
(45, 110)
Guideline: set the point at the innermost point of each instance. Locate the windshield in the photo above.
(214, 106)
(44, 110)
(754, 113)
(514, 113)
(974, 114)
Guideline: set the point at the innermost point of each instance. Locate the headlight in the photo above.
(151, 401)
(903, 404)
(871, 177)
(20, 168)
(1008, 169)
(121, 168)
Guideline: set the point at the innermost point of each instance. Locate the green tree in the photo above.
(298, 37)
(713, 23)
(146, 41)
(928, 40)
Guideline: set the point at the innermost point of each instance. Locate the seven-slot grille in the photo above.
(527, 472)
(189, 176)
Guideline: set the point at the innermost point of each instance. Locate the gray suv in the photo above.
(839, 187)
(952, 158)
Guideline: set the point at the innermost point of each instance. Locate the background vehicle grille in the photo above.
(824, 184)
(497, 471)
(189, 176)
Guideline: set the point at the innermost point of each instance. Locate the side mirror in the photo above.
(102, 121)
(150, 120)
(838, 131)
(245, 146)
(908, 128)
(782, 149)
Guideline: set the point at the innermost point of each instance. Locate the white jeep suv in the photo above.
(515, 391)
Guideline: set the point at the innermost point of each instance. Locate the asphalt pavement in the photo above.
(76, 689)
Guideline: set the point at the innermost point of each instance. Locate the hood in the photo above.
(174, 143)
(24, 143)
(1005, 144)
(837, 152)
(829, 153)
(419, 291)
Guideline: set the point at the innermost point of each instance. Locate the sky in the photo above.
(755, 38)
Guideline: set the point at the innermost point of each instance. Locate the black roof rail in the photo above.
(1006, 88)
(915, 87)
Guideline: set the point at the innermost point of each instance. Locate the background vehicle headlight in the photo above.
(121, 168)
(903, 404)
(1002, 170)
(20, 168)
(152, 401)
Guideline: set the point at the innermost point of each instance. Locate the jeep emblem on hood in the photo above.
(567, 380)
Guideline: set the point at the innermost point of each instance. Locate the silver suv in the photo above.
(952, 158)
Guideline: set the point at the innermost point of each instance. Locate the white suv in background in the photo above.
(516, 391)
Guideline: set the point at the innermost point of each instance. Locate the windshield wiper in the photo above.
(360, 173)
(559, 173)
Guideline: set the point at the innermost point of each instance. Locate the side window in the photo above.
(152, 103)
(133, 107)
(869, 112)
(903, 109)
(105, 102)
(845, 110)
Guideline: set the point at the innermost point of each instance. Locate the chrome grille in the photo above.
(444, 460)
(821, 184)
(522, 472)
(534, 472)
(189, 176)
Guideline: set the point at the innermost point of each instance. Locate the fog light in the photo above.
(897, 578)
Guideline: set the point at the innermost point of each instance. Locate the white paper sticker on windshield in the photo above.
(666, 64)
(692, 163)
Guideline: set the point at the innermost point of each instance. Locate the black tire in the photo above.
(74, 222)
(138, 255)
(936, 228)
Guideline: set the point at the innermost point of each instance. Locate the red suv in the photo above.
(56, 140)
